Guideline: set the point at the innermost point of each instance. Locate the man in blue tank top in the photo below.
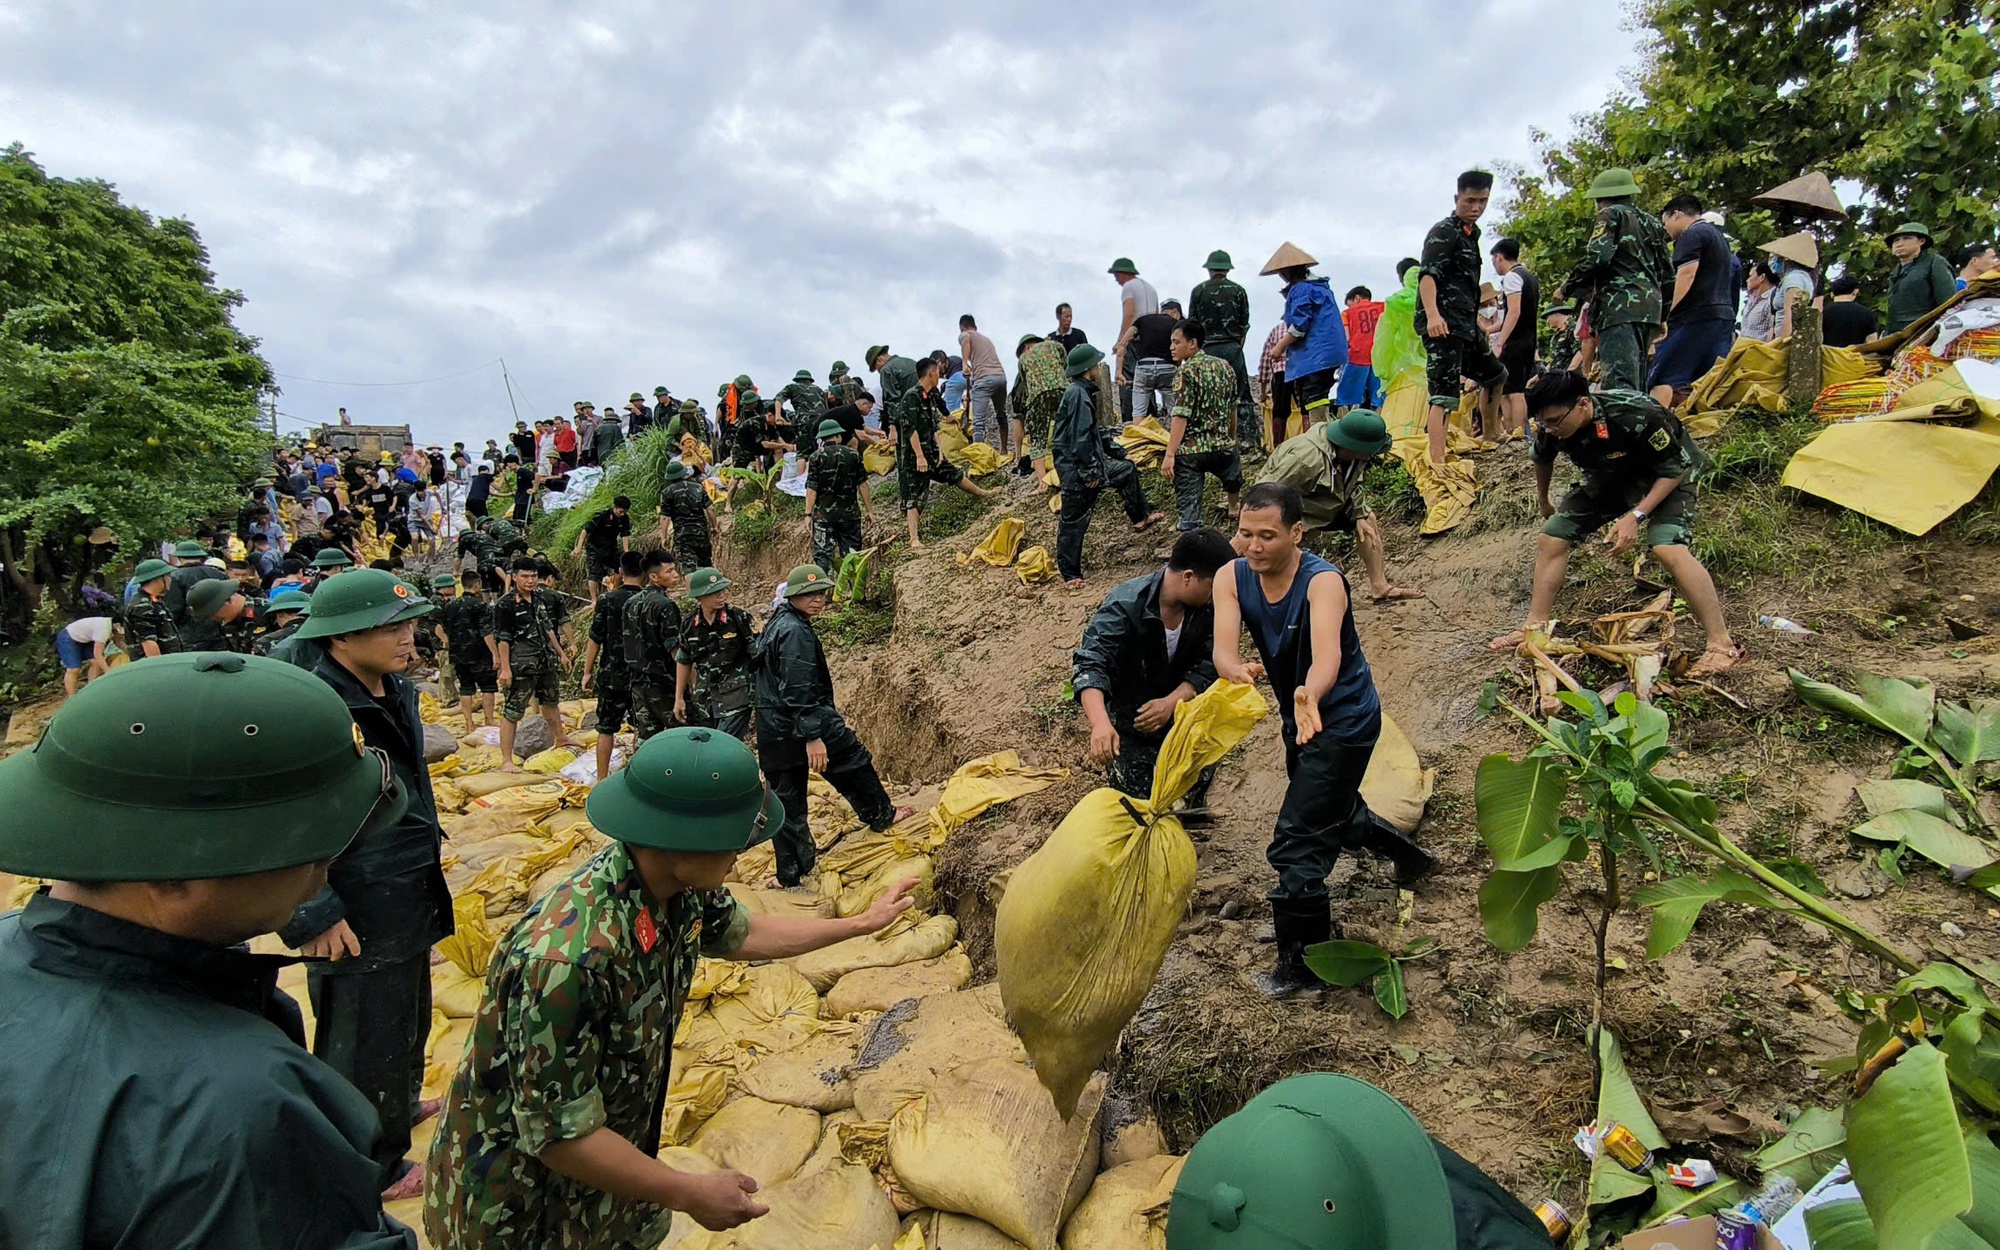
(1297, 609)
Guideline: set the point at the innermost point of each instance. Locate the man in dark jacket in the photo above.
(649, 632)
(800, 732)
(1144, 653)
(154, 1080)
(192, 559)
(385, 902)
(1083, 469)
(604, 657)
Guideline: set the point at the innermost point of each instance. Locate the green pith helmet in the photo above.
(1361, 431)
(659, 391)
(1613, 184)
(205, 599)
(1124, 265)
(743, 382)
(1081, 360)
(839, 369)
(1916, 229)
(190, 550)
(1567, 310)
(635, 398)
(332, 558)
(191, 766)
(1025, 340)
(149, 570)
(1317, 1162)
(803, 375)
(722, 390)
(868, 357)
(674, 471)
(807, 579)
(706, 581)
(831, 429)
(690, 407)
(1219, 259)
(688, 789)
(444, 581)
(362, 599)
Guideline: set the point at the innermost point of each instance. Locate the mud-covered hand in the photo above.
(1155, 715)
(884, 911)
(722, 1200)
(1103, 744)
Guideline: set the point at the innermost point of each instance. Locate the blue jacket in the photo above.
(1312, 312)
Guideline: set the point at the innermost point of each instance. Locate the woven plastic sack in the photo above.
(901, 943)
(1087, 919)
(878, 989)
(999, 547)
(766, 1140)
(553, 760)
(1036, 566)
(1126, 1208)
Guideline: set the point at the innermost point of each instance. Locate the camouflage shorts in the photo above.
(691, 552)
(652, 709)
(614, 705)
(833, 537)
(913, 484)
(544, 685)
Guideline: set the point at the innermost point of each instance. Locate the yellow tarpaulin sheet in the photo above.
(1000, 546)
(983, 783)
(1908, 468)
(1145, 443)
(1752, 375)
(1036, 566)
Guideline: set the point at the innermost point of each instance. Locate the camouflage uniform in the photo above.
(467, 620)
(1332, 491)
(504, 537)
(719, 652)
(1626, 266)
(1039, 382)
(844, 389)
(614, 676)
(836, 477)
(1633, 443)
(182, 580)
(921, 413)
(1562, 348)
(148, 620)
(1223, 309)
(1204, 394)
(574, 1033)
(1452, 259)
(524, 625)
(746, 447)
(804, 402)
(650, 631)
(276, 638)
(685, 506)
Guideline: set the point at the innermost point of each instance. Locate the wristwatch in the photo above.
(1639, 514)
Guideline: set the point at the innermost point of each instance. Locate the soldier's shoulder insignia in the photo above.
(1660, 439)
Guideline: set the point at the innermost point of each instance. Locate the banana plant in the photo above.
(1948, 742)
(1349, 963)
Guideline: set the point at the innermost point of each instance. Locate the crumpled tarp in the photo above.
(985, 783)
(1000, 546)
(1911, 468)
(1752, 375)
(1145, 443)
(1448, 492)
(1036, 567)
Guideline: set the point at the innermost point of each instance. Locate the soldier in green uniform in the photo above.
(650, 631)
(753, 442)
(836, 497)
(287, 610)
(468, 629)
(194, 568)
(687, 419)
(327, 562)
(385, 902)
(434, 640)
(1200, 429)
(149, 627)
(528, 658)
(842, 387)
(1088, 459)
(1222, 307)
(1638, 464)
(713, 661)
(155, 1081)
(1328, 465)
(507, 540)
(221, 618)
(897, 375)
(552, 1123)
(664, 407)
(1447, 313)
(1039, 382)
(918, 463)
(1327, 1162)
(607, 644)
(1628, 263)
(807, 403)
(604, 538)
(1562, 336)
(687, 517)
(799, 731)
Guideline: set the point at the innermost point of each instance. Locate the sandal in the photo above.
(1713, 662)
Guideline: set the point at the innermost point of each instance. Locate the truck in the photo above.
(368, 440)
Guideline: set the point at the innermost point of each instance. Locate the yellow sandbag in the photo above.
(999, 547)
(1126, 1208)
(908, 1047)
(446, 1050)
(449, 798)
(770, 1008)
(454, 992)
(474, 856)
(443, 767)
(861, 895)
(470, 946)
(1397, 785)
(812, 1074)
(860, 856)
(429, 710)
(693, 1096)
(835, 1207)
(1132, 1141)
(878, 989)
(982, 784)
(553, 760)
(817, 904)
(484, 823)
(590, 842)
(535, 800)
(479, 785)
(878, 458)
(1087, 919)
(985, 1142)
(765, 1140)
(949, 1230)
(912, 1239)
(903, 942)
(1036, 566)
(978, 459)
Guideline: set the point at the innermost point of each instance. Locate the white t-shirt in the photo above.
(90, 629)
(1511, 282)
(1140, 294)
(1174, 638)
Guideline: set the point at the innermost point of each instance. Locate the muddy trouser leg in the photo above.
(1074, 520)
(851, 770)
(823, 551)
(652, 710)
(1188, 483)
(793, 844)
(1322, 813)
(1281, 409)
(370, 1027)
(1124, 479)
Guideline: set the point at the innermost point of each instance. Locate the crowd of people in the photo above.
(286, 644)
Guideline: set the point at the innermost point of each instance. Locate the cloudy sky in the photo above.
(621, 194)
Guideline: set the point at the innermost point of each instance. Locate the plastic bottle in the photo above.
(1783, 625)
(1779, 1195)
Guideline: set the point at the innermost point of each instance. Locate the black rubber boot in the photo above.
(1413, 863)
(1299, 923)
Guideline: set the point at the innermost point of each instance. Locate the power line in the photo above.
(292, 377)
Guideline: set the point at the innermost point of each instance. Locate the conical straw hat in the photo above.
(1800, 249)
(1809, 195)
(1288, 256)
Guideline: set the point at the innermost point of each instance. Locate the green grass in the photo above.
(1393, 492)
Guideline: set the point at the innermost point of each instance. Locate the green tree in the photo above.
(1734, 97)
(127, 396)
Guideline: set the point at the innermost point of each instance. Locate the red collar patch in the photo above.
(649, 933)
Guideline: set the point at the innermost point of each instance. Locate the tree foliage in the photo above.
(1898, 97)
(127, 396)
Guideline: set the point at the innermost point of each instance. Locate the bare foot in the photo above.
(917, 546)
(510, 767)
(1074, 583)
(902, 814)
(1508, 642)
(1142, 526)
(1716, 660)
(1395, 592)
(410, 1186)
